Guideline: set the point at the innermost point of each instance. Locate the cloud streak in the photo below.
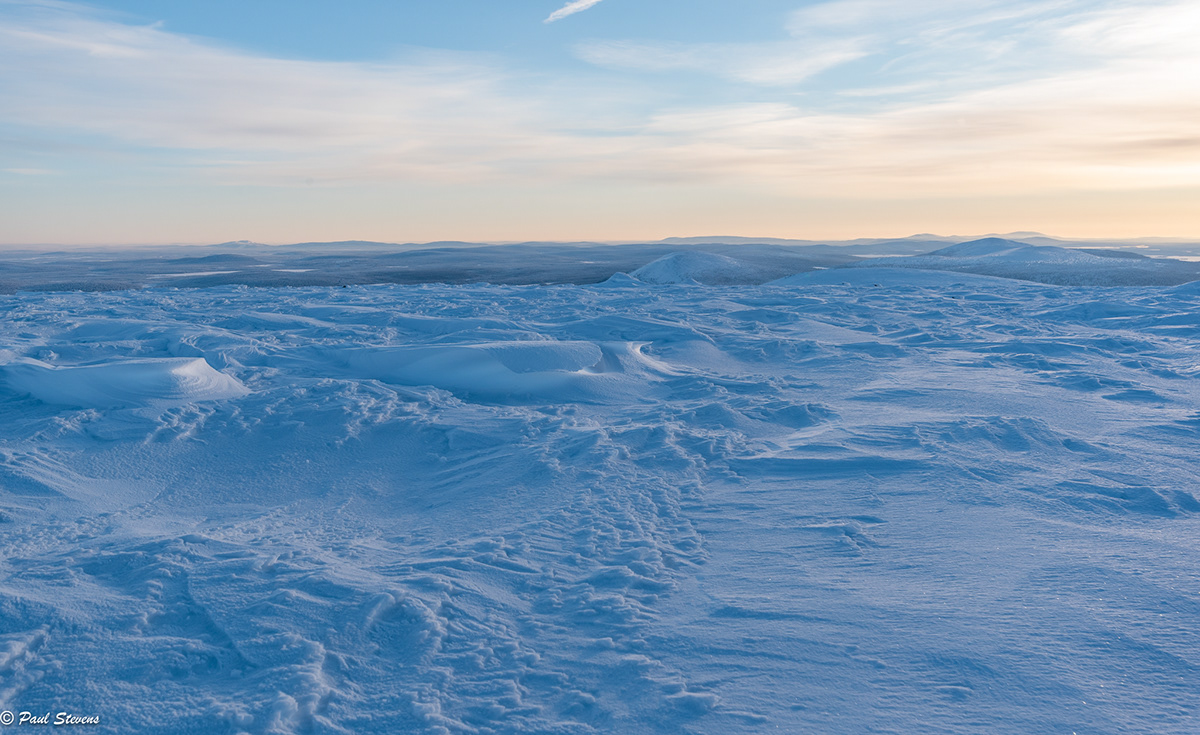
(571, 8)
(763, 64)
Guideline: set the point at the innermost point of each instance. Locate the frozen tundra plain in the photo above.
(868, 499)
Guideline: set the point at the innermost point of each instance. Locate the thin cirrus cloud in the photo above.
(571, 8)
(1107, 105)
(765, 64)
(964, 38)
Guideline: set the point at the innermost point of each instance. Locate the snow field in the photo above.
(938, 502)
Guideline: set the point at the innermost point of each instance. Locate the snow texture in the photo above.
(861, 500)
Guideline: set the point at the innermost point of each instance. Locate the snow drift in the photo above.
(513, 371)
(122, 383)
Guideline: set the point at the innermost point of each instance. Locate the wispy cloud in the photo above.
(986, 96)
(979, 39)
(436, 116)
(571, 8)
(763, 64)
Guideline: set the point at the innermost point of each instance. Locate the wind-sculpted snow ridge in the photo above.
(862, 500)
(535, 370)
(122, 382)
(1003, 258)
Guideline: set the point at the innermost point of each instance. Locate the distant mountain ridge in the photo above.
(751, 261)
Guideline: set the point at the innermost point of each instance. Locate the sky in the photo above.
(203, 121)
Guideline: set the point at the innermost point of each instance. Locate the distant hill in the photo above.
(1005, 258)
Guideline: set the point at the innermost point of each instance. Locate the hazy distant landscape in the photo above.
(754, 262)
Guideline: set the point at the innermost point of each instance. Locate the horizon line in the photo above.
(682, 239)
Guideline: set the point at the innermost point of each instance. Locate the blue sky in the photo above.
(139, 121)
(362, 30)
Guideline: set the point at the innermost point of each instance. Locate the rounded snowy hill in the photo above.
(995, 256)
(710, 269)
(999, 249)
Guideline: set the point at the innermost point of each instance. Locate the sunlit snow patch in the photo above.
(122, 384)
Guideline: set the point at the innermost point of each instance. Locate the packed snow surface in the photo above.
(866, 500)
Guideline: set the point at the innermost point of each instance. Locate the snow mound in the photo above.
(122, 384)
(513, 371)
(709, 269)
